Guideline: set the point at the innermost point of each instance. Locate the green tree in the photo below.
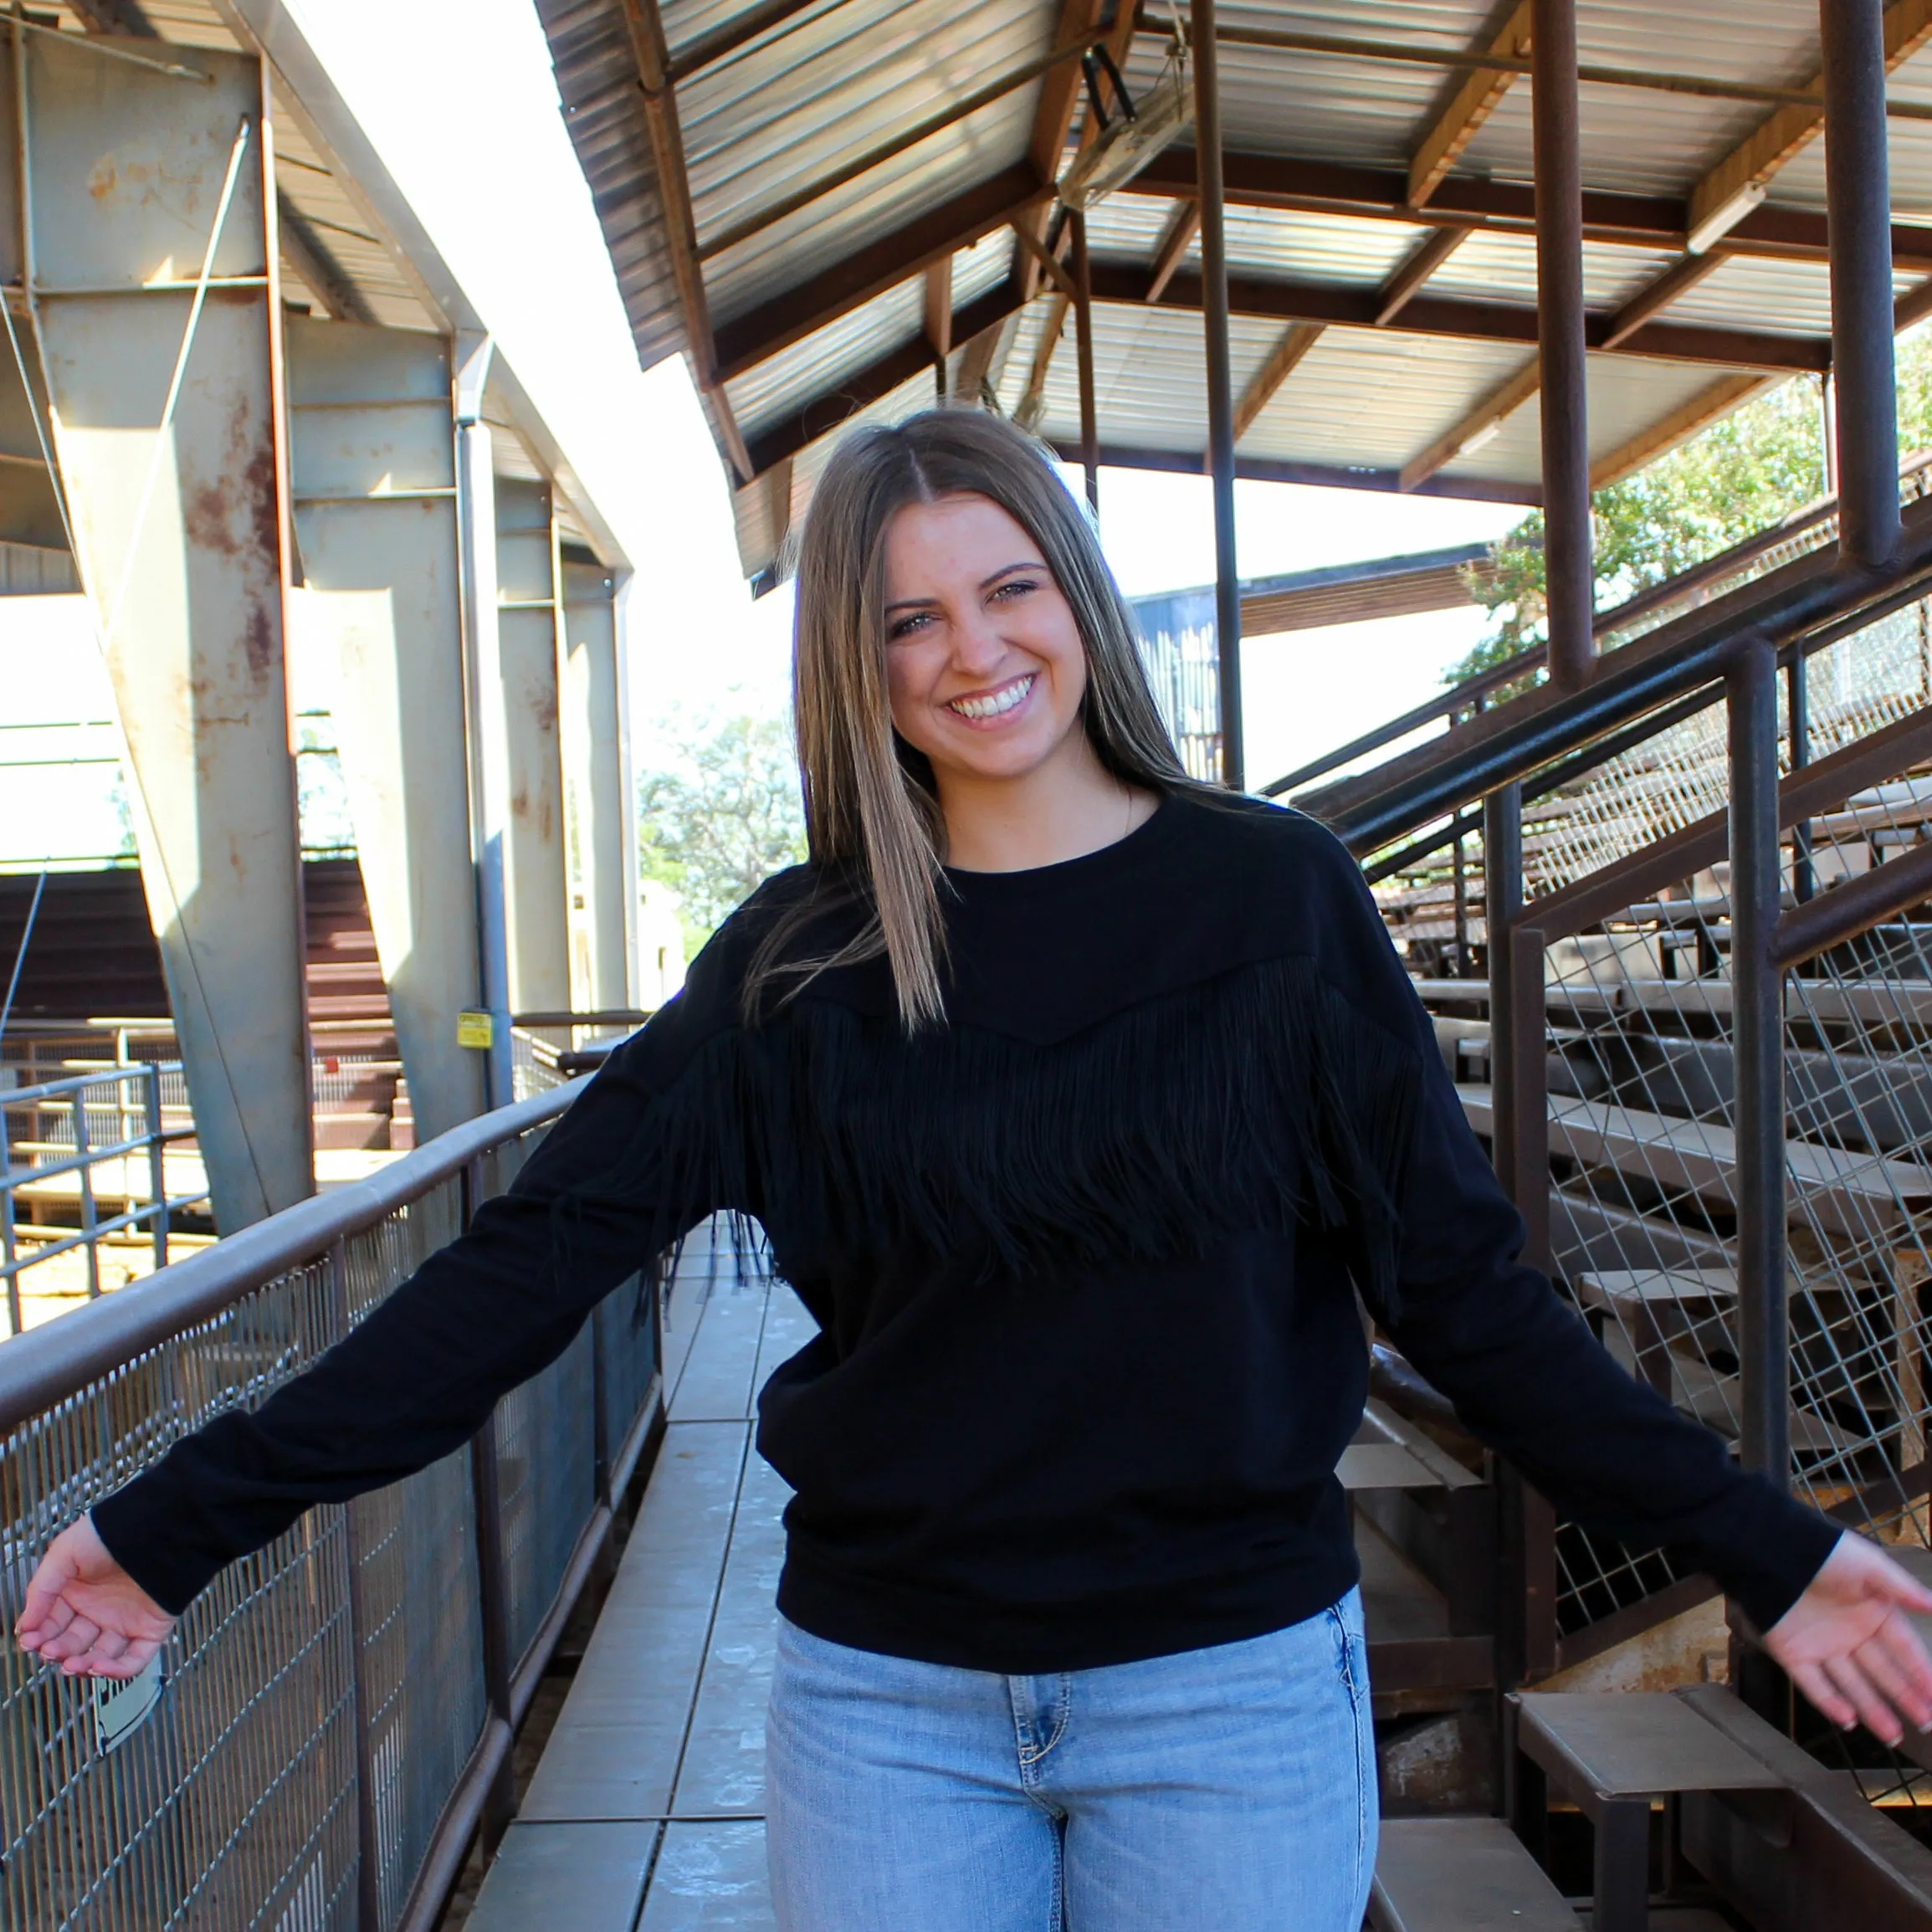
(725, 815)
(1731, 480)
(1734, 478)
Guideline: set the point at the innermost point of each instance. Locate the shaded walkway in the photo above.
(646, 1812)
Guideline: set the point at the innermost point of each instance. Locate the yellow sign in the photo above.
(475, 1029)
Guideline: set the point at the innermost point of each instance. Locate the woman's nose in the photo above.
(977, 643)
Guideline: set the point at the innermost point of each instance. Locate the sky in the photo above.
(483, 154)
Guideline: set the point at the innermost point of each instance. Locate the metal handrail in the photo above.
(48, 1364)
(1803, 606)
(1468, 694)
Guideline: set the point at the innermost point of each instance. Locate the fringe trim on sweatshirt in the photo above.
(1248, 1101)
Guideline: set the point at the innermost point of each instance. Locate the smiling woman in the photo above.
(1087, 1110)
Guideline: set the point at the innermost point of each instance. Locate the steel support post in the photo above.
(529, 633)
(1757, 996)
(1798, 731)
(1502, 904)
(1568, 552)
(597, 788)
(1084, 347)
(164, 398)
(483, 704)
(1858, 197)
(372, 437)
(1220, 387)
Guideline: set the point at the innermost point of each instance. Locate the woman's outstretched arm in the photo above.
(1529, 1378)
(629, 1167)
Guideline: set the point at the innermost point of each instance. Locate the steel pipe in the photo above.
(1758, 1038)
(1859, 199)
(1798, 731)
(1220, 388)
(1503, 905)
(1818, 924)
(1084, 352)
(1568, 551)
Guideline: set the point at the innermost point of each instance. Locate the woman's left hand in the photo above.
(1847, 1645)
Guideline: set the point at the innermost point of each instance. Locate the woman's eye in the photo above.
(905, 627)
(1019, 587)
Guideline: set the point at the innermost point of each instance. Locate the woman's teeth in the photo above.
(994, 702)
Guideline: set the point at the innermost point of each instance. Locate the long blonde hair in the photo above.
(872, 813)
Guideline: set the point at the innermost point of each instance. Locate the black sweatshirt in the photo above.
(1084, 1261)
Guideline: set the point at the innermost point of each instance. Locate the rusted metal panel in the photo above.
(535, 889)
(181, 537)
(598, 791)
(373, 456)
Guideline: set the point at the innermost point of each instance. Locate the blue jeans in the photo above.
(1231, 1788)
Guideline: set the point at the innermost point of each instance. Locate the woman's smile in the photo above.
(990, 707)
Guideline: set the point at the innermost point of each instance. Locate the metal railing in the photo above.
(340, 1707)
(103, 1135)
(1707, 1076)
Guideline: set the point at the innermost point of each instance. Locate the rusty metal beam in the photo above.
(1422, 261)
(1083, 351)
(169, 441)
(1355, 308)
(748, 340)
(1648, 221)
(646, 28)
(1323, 475)
(1563, 417)
(1471, 101)
(1301, 337)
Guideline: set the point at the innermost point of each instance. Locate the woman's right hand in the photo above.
(85, 1613)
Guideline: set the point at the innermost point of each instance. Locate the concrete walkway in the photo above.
(646, 1810)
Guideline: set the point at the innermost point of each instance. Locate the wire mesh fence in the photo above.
(327, 1702)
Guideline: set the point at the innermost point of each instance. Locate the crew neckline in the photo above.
(1064, 873)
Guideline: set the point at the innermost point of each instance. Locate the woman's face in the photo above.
(984, 661)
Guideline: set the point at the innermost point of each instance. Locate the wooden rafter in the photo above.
(1490, 413)
(1301, 337)
(1787, 131)
(1662, 437)
(973, 376)
(1648, 221)
(1044, 259)
(1656, 296)
(647, 35)
(739, 31)
(1027, 410)
(820, 415)
(817, 187)
(1469, 321)
(1471, 101)
(1422, 262)
(939, 307)
(1175, 239)
(748, 340)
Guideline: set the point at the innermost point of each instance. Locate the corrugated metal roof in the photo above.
(849, 80)
(811, 98)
